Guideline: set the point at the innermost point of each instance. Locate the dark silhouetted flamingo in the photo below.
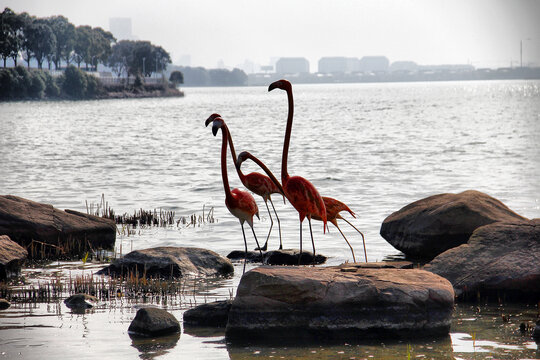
(240, 203)
(258, 183)
(333, 208)
(301, 193)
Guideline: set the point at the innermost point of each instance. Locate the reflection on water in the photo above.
(376, 147)
(151, 348)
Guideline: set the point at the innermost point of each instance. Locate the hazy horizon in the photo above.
(481, 33)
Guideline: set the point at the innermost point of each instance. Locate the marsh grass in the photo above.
(186, 291)
(144, 218)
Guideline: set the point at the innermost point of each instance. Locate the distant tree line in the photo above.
(55, 40)
(199, 76)
(20, 83)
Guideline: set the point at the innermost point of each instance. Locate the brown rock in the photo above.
(52, 233)
(12, 256)
(170, 261)
(214, 314)
(428, 227)
(500, 260)
(314, 303)
(153, 322)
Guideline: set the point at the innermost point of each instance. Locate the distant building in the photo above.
(339, 64)
(292, 65)
(121, 28)
(404, 66)
(374, 64)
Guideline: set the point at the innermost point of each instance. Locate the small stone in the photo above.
(153, 322)
(4, 304)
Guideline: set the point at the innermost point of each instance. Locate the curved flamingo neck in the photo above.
(225, 133)
(234, 158)
(284, 173)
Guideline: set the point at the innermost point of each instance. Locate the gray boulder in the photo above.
(214, 314)
(428, 227)
(153, 322)
(337, 303)
(167, 262)
(501, 260)
(12, 257)
(80, 301)
(51, 233)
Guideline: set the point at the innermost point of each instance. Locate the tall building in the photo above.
(292, 65)
(121, 28)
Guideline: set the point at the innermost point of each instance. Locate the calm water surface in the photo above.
(376, 147)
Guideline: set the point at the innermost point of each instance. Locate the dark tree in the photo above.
(176, 77)
(42, 41)
(65, 38)
(81, 46)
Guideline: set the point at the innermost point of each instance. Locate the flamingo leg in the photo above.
(300, 256)
(363, 240)
(245, 247)
(278, 224)
(348, 243)
(312, 241)
(265, 247)
(257, 241)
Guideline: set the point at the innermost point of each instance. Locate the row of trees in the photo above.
(55, 40)
(199, 76)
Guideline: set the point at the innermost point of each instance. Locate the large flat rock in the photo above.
(51, 233)
(501, 261)
(12, 257)
(341, 302)
(430, 226)
(169, 261)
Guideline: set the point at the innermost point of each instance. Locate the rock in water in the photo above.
(12, 256)
(4, 304)
(167, 262)
(332, 303)
(153, 322)
(291, 257)
(500, 260)
(80, 301)
(428, 227)
(52, 233)
(214, 314)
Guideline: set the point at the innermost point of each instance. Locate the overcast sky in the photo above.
(484, 33)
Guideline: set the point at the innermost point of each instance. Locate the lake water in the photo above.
(376, 147)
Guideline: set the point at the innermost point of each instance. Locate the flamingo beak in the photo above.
(208, 121)
(215, 128)
(274, 85)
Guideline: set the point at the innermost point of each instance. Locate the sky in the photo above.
(483, 33)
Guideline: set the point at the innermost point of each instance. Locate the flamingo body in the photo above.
(242, 205)
(260, 184)
(333, 208)
(304, 197)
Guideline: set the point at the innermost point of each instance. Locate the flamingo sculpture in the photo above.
(333, 208)
(301, 193)
(240, 203)
(257, 183)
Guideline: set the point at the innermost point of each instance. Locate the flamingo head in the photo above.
(280, 84)
(218, 123)
(211, 118)
(244, 155)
